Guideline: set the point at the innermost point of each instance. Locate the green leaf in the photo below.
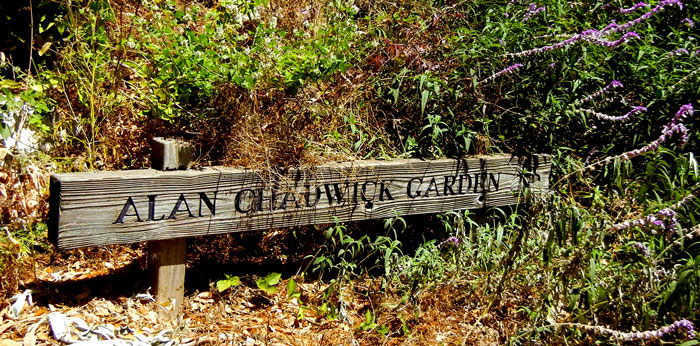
(368, 324)
(269, 282)
(577, 83)
(404, 327)
(424, 100)
(273, 278)
(223, 285)
(5, 131)
(291, 286)
(690, 343)
(262, 284)
(395, 94)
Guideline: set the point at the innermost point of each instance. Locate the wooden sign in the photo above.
(90, 209)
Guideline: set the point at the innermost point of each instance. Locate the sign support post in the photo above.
(166, 258)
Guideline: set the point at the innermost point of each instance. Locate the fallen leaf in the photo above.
(8, 342)
(30, 337)
(40, 311)
(102, 311)
(152, 317)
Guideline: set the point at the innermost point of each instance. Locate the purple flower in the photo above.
(687, 325)
(561, 44)
(453, 240)
(666, 213)
(590, 35)
(667, 216)
(590, 155)
(656, 334)
(595, 36)
(689, 75)
(633, 8)
(645, 335)
(678, 52)
(552, 65)
(689, 22)
(663, 219)
(653, 11)
(603, 116)
(685, 200)
(613, 44)
(531, 11)
(613, 84)
(506, 70)
(673, 127)
(510, 3)
(684, 112)
(635, 110)
(659, 223)
(610, 26)
(643, 248)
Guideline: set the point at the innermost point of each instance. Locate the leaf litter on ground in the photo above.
(246, 316)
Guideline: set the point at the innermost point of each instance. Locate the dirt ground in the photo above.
(108, 289)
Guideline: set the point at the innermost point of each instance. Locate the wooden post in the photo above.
(170, 154)
(166, 258)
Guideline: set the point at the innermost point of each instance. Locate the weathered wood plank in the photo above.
(131, 206)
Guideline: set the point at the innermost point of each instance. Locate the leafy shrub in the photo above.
(608, 89)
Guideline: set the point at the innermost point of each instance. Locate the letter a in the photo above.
(129, 203)
(177, 207)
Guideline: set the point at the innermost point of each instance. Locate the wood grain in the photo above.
(86, 207)
(170, 154)
(166, 257)
(166, 264)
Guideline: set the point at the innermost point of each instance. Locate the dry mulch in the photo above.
(102, 285)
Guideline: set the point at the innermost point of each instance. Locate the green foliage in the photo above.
(230, 281)
(331, 301)
(269, 282)
(680, 294)
(23, 104)
(186, 66)
(344, 256)
(87, 68)
(369, 324)
(291, 290)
